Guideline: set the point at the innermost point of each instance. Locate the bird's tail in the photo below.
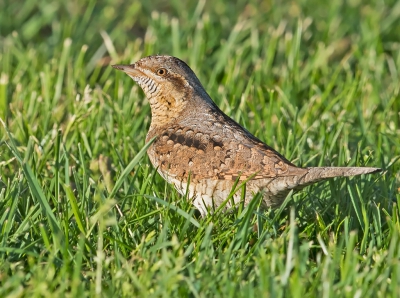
(280, 187)
(316, 174)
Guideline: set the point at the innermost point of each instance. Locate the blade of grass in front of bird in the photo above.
(175, 208)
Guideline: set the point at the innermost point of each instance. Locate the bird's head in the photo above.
(169, 85)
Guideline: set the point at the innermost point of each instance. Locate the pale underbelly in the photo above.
(209, 194)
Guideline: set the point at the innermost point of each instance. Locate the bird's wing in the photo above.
(182, 152)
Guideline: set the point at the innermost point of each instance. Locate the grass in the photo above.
(82, 212)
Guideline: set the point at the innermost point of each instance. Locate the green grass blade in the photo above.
(34, 186)
(129, 168)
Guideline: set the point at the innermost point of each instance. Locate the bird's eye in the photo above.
(162, 72)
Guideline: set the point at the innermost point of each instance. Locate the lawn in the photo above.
(83, 212)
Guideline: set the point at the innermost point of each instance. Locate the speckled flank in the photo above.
(195, 140)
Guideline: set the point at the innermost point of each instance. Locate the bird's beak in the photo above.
(129, 70)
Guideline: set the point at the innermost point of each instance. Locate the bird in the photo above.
(204, 153)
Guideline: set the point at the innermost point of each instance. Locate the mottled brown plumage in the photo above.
(195, 139)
